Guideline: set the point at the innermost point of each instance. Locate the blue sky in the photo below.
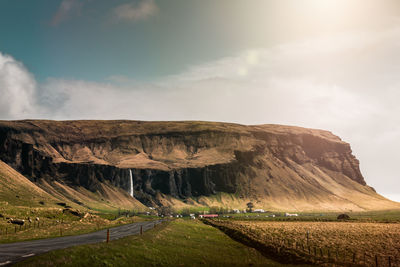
(327, 64)
(89, 42)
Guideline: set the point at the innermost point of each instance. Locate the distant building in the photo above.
(291, 214)
(208, 215)
(236, 211)
(259, 210)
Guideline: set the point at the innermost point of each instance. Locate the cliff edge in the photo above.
(193, 163)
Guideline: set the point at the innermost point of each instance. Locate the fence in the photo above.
(8, 230)
(336, 256)
(13, 230)
(304, 251)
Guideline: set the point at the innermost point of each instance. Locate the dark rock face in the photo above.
(49, 150)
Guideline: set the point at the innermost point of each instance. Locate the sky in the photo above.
(325, 64)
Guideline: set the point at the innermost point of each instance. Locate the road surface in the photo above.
(15, 252)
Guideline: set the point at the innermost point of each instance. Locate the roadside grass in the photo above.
(176, 243)
(60, 225)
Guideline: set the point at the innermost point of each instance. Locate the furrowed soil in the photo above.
(343, 243)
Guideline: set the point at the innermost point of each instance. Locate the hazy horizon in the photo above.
(328, 64)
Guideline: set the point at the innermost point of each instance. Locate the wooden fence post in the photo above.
(376, 260)
(390, 261)
(364, 259)
(354, 257)
(141, 230)
(108, 235)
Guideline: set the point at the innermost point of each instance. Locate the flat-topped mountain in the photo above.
(191, 163)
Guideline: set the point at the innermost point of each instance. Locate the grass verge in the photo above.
(176, 243)
(384, 216)
(49, 228)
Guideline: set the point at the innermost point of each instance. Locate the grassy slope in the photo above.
(17, 190)
(19, 199)
(177, 243)
(109, 199)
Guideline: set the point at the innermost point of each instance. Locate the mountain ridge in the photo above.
(190, 162)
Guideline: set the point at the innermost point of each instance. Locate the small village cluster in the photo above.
(206, 214)
(255, 211)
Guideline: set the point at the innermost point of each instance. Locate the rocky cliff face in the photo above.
(273, 165)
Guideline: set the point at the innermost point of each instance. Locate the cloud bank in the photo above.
(17, 89)
(347, 84)
(136, 11)
(66, 9)
(132, 11)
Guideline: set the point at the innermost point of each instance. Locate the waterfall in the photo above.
(131, 183)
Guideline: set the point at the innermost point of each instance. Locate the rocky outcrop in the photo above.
(179, 159)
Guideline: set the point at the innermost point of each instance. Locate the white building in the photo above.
(259, 210)
(291, 214)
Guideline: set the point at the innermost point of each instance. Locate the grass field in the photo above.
(362, 243)
(366, 216)
(177, 243)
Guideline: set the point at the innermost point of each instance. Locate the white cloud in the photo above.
(66, 9)
(17, 89)
(346, 83)
(136, 11)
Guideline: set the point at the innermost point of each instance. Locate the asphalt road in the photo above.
(15, 252)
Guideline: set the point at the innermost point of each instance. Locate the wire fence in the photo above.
(335, 255)
(305, 251)
(13, 229)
